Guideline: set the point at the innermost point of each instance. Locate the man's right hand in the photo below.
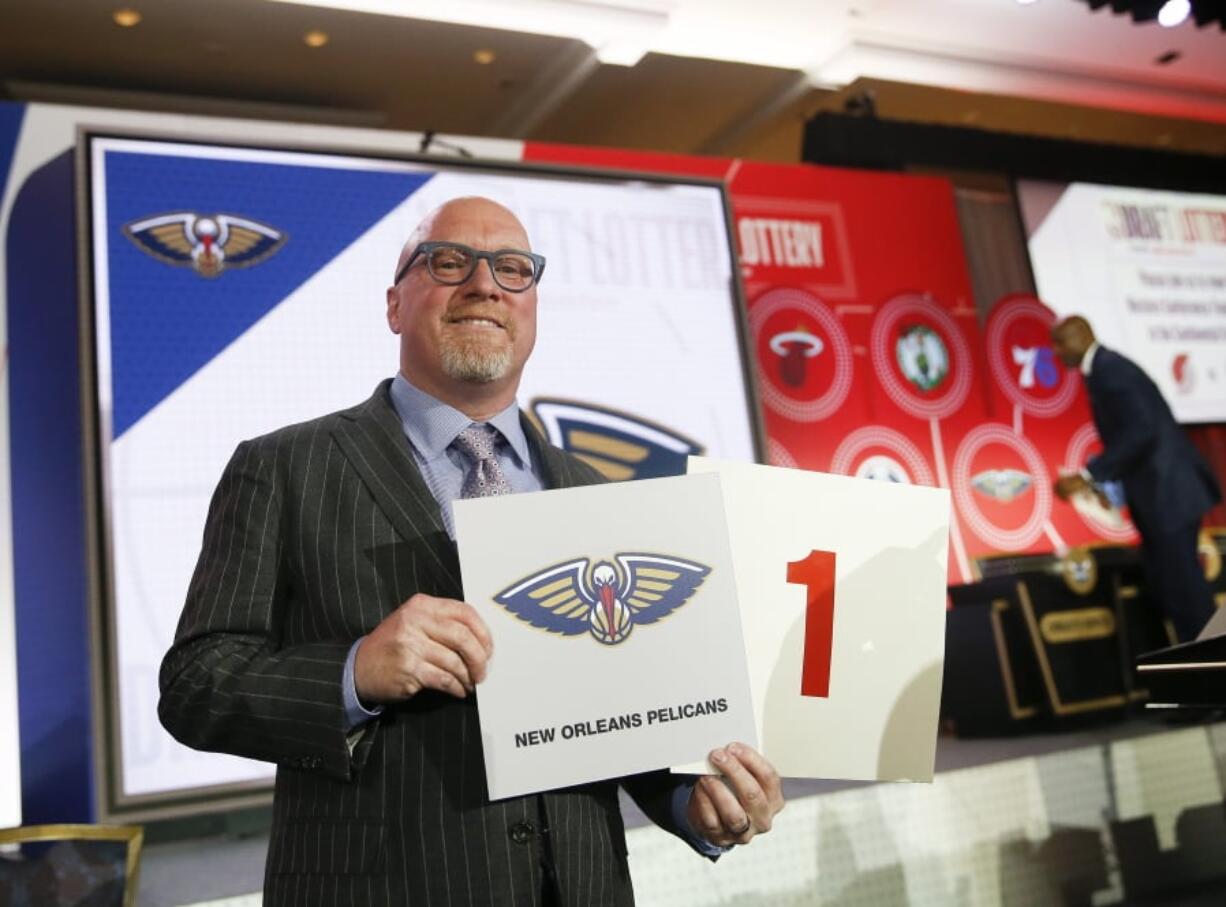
(1071, 484)
(427, 643)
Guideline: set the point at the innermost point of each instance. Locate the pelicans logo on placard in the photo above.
(209, 243)
(608, 599)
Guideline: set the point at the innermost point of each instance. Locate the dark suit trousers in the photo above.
(1176, 578)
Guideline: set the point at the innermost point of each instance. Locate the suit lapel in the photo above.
(554, 467)
(372, 439)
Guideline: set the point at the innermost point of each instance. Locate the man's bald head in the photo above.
(1071, 338)
(464, 343)
(475, 207)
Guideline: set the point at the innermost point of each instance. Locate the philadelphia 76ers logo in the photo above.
(606, 600)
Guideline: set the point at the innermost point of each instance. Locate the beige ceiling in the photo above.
(248, 57)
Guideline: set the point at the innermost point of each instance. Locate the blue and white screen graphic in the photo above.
(239, 290)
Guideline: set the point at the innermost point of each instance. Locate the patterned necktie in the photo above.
(485, 477)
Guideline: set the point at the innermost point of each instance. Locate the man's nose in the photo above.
(482, 282)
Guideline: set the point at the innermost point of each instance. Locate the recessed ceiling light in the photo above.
(1026, 2)
(1174, 12)
(484, 56)
(126, 18)
(315, 38)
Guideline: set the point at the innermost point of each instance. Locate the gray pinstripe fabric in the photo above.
(315, 533)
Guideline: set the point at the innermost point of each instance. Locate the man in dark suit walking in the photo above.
(324, 628)
(1167, 484)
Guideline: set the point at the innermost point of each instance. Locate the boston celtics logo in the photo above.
(922, 357)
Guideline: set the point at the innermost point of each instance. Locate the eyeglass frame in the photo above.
(425, 248)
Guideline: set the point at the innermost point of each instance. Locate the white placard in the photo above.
(648, 673)
(878, 720)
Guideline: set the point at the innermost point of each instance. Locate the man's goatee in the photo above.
(466, 363)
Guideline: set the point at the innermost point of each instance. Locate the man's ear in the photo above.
(393, 310)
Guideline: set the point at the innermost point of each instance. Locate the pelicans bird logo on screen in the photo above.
(608, 599)
(1002, 484)
(209, 243)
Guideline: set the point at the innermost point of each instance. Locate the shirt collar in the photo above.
(431, 425)
(1087, 361)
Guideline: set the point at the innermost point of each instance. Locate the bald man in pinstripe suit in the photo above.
(324, 627)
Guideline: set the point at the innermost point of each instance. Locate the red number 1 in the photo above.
(816, 574)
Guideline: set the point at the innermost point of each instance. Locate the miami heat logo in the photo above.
(793, 348)
(606, 600)
(209, 243)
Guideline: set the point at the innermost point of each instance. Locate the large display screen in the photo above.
(1148, 269)
(10, 742)
(236, 290)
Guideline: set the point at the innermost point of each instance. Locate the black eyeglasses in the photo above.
(452, 263)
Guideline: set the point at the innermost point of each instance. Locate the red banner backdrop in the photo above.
(869, 355)
(1045, 409)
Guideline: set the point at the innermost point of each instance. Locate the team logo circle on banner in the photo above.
(804, 355)
(877, 452)
(1021, 358)
(778, 455)
(921, 357)
(1005, 488)
(1080, 444)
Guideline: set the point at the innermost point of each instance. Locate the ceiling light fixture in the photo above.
(484, 56)
(1174, 12)
(315, 38)
(126, 18)
(620, 31)
(1168, 13)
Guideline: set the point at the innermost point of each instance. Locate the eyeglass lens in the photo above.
(455, 264)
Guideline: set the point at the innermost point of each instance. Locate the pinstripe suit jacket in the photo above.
(315, 533)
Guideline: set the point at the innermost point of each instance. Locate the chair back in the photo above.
(70, 866)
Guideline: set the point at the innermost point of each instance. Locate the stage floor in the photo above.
(1083, 817)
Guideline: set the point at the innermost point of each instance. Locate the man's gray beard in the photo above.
(466, 362)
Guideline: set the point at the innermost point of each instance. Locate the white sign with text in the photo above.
(617, 637)
(841, 584)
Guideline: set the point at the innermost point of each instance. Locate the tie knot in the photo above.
(477, 441)
(484, 477)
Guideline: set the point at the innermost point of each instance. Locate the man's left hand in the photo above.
(742, 803)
